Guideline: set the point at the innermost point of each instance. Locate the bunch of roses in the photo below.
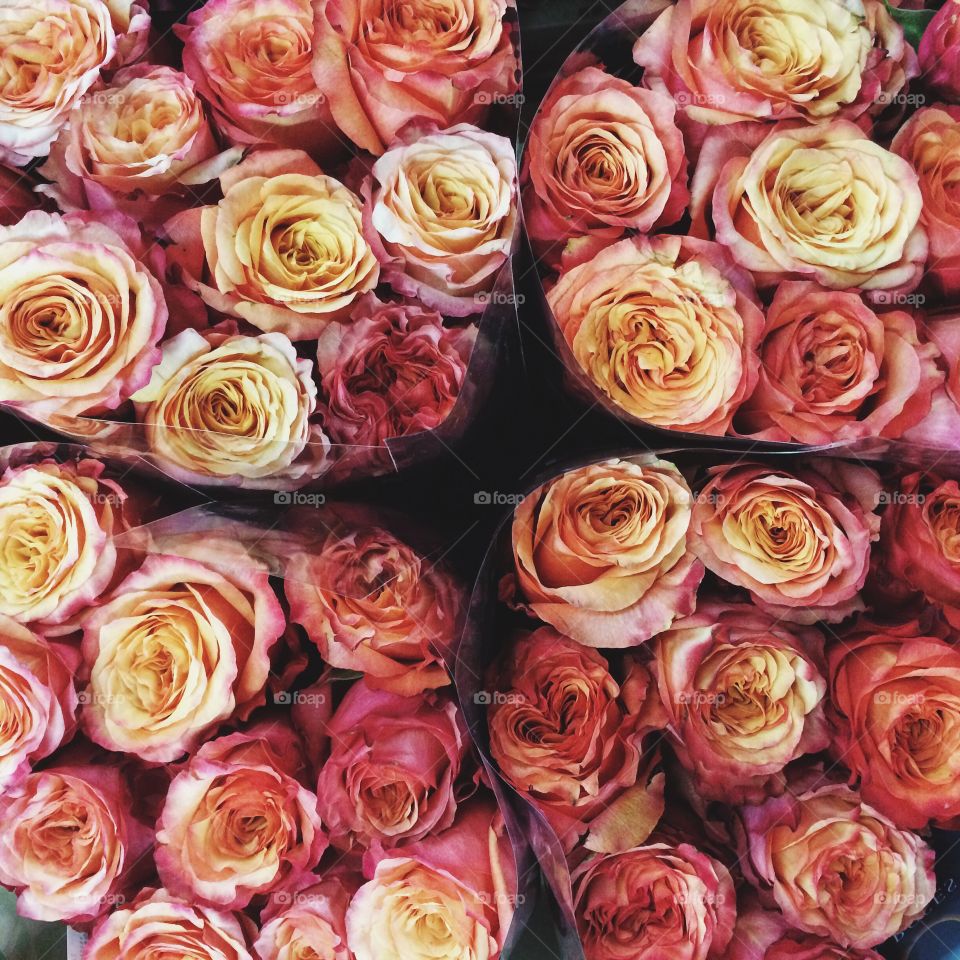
(280, 247)
(744, 241)
(736, 708)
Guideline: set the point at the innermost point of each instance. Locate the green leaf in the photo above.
(914, 22)
(22, 939)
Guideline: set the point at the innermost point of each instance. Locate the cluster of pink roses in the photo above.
(736, 708)
(761, 236)
(271, 251)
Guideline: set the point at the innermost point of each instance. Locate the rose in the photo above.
(601, 551)
(566, 734)
(68, 842)
(938, 52)
(138, 144)
(17, 198)
(831, 369)
(836, 867)
(393, 770)
(441, 213)
(53, 51)
(799, 542)
(180, 646)
(684, 902)
(147, 928)
(251, 60)
(745, 697)
(222, 407)
(57, 524)
(372, 603)
(381, 66)
(282, 250)
(732, 60)
(81, 315)
(942, 423)
(237, 823)
(602, 157)
(930, 142)
(821, 202)
(449, 896)
(667, 327)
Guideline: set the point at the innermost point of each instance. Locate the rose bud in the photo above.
(81, 315)
(836, 867)
(601, 551)
(821, 202)
(441, 214)
(371, 603)
(179, 647)
(602, 157)
(833, 59)
(799, 542)
(459, 886)
(54, 51)
(251, 61)
(379, 68)
(157, 923)
(576, 741)
(689, 906)
(392, 370)
(667, 327)
(832, 369)
(69, 844)
(939, 51)
(283, 250)
(745, 697)
(224, 409)
(896, 694)
(237, 822)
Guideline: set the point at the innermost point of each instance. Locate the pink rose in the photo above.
(941, 426)
(939, 51)
(394, 369)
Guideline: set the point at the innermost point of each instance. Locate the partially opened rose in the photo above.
(380, 66)
(667, 327)
(942, 423)
(798, 541)
(81, 314)
(158, 924)
(602, 157)
(745, 695)
(69, 844)
(371, 603)
(180, 646)
(576, 741)
(601, 551)
(837, 867)
(833, 369)
(939, 51)
(393, 772)
(441, 216)
(393, 369)
(652, 902)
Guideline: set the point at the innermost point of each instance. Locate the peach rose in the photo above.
(222, 408)
(652, 902)
(180, 646)
(577, 742)
(832, 369)
(601, 551)
(799, 542)
(69, 845)
(80, 313)
(441, 214)
(941, 426)
(53, 52)
(939, 51)
(156, 923)
(821, 202)
(836, 867)
(745, 697)
(372, 603)
(602, 157)
(17, 198)
(381, 66)
(667, 327)
(736, 60)
(251, 61)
